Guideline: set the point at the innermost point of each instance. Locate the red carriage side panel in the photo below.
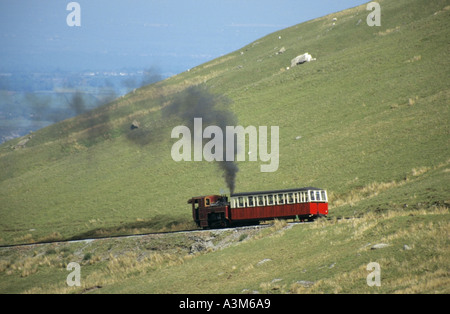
(278, 211)
(302, 203)
(323, 209)
(213, 211)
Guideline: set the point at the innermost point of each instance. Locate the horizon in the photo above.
(170, 35)
(58, 60)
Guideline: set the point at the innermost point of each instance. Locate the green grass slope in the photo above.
(368, 121)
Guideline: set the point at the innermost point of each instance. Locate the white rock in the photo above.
(379, 246)
(264, 261)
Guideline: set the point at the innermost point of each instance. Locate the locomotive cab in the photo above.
(210, 211)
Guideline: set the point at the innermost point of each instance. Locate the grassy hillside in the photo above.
(368, 121)
(369, 110)
(328, 256)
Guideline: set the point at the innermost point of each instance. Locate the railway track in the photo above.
(260, 226)
(125, 236)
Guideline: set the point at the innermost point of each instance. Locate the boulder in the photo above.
(282, 50)
(306, 57)
(134, 125)
(22, 143)
(305, 283)
(379, 246)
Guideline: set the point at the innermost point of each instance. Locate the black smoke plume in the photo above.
(149, 76)
(199, 102)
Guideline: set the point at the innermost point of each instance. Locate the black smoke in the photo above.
(30, 101)
(149, 76)
(76, 103)
(199, 102)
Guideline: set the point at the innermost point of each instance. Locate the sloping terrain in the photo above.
(368, 120)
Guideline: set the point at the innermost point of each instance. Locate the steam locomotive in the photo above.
(218, 211)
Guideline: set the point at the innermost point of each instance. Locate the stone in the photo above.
(380, 246)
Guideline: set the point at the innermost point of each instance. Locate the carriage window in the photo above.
(296, 198)
(324, 197)
(318, 195)
(240, 202)
(280, 199)
(208, 201)
(290, 198)
(311, 193)
(250, 201)
(260, 200)
(270, 199)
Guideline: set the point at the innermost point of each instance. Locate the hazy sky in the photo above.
(172, 35)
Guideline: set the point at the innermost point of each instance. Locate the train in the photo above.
(221, 211)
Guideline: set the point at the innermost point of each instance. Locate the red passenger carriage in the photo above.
(214, 211)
